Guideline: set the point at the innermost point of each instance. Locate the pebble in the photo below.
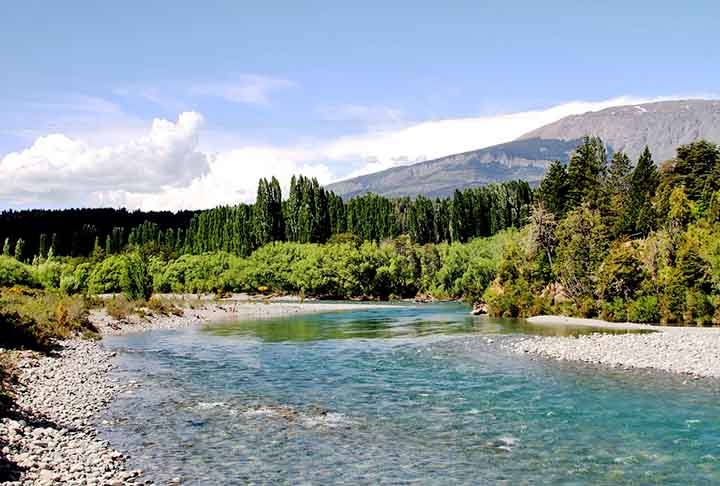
(691, 351)
(59, 395)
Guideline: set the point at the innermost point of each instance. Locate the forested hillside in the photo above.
(310, 214)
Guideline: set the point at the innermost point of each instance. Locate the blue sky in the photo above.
(285, 78)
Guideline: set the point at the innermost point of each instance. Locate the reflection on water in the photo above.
(327, 399)
(401, 321)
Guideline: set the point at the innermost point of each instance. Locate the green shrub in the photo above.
(76, 281)
(699, 309)
(13, 272)
(121, 273)
(197, 273)
(49, 274)
(34, 319)
(644, 309)
(615, 310)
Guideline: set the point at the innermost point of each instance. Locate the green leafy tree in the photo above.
(582, 246)
(6, 247)
(19, 249)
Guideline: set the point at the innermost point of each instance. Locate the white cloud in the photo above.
(232, 178)
(56, 167)
(433, 139)
(166, 170)
(248, 89)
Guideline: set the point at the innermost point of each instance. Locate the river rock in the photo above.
(59, 395)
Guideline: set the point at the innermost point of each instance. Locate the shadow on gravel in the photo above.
(9, 470)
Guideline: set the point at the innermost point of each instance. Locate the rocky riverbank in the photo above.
(691, 351)
(49, 437)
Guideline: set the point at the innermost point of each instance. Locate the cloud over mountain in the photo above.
(168, 168)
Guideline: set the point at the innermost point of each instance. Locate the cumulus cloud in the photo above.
(232, 178)
(166, 170)
(57, 167)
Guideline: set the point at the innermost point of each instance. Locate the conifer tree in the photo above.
(586, 170)
(6, 247)
(553, 188)
(643, 185)
(617, 203)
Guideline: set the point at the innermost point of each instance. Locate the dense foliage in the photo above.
(600, 237)
(345, 267)
(621, 242)
(310, 214)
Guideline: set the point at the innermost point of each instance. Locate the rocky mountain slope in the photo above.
(662, 126)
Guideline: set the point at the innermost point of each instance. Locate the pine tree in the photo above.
(617, 203)
(262, 214)
(643, 185)
(553, 188)
(6, 247)
(585, 171)
(697, 167)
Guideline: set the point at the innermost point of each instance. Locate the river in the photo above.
(419, 394)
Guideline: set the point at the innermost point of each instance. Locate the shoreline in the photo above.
(50, 436)
(206, 311)
(558, 320)
(693, 351)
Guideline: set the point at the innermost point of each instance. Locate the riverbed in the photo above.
(412, 394)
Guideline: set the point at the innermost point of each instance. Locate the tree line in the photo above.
(618, 240)
(309, 214)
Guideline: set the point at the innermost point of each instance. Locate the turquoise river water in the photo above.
(419, 394)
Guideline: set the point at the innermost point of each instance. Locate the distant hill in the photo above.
(662, 126)
(521, 159)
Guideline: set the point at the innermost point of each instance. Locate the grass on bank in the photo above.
(32, 319)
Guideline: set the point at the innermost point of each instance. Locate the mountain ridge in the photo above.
(662, 126)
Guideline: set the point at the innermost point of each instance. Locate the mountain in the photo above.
(521, 159)
(662, 126)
